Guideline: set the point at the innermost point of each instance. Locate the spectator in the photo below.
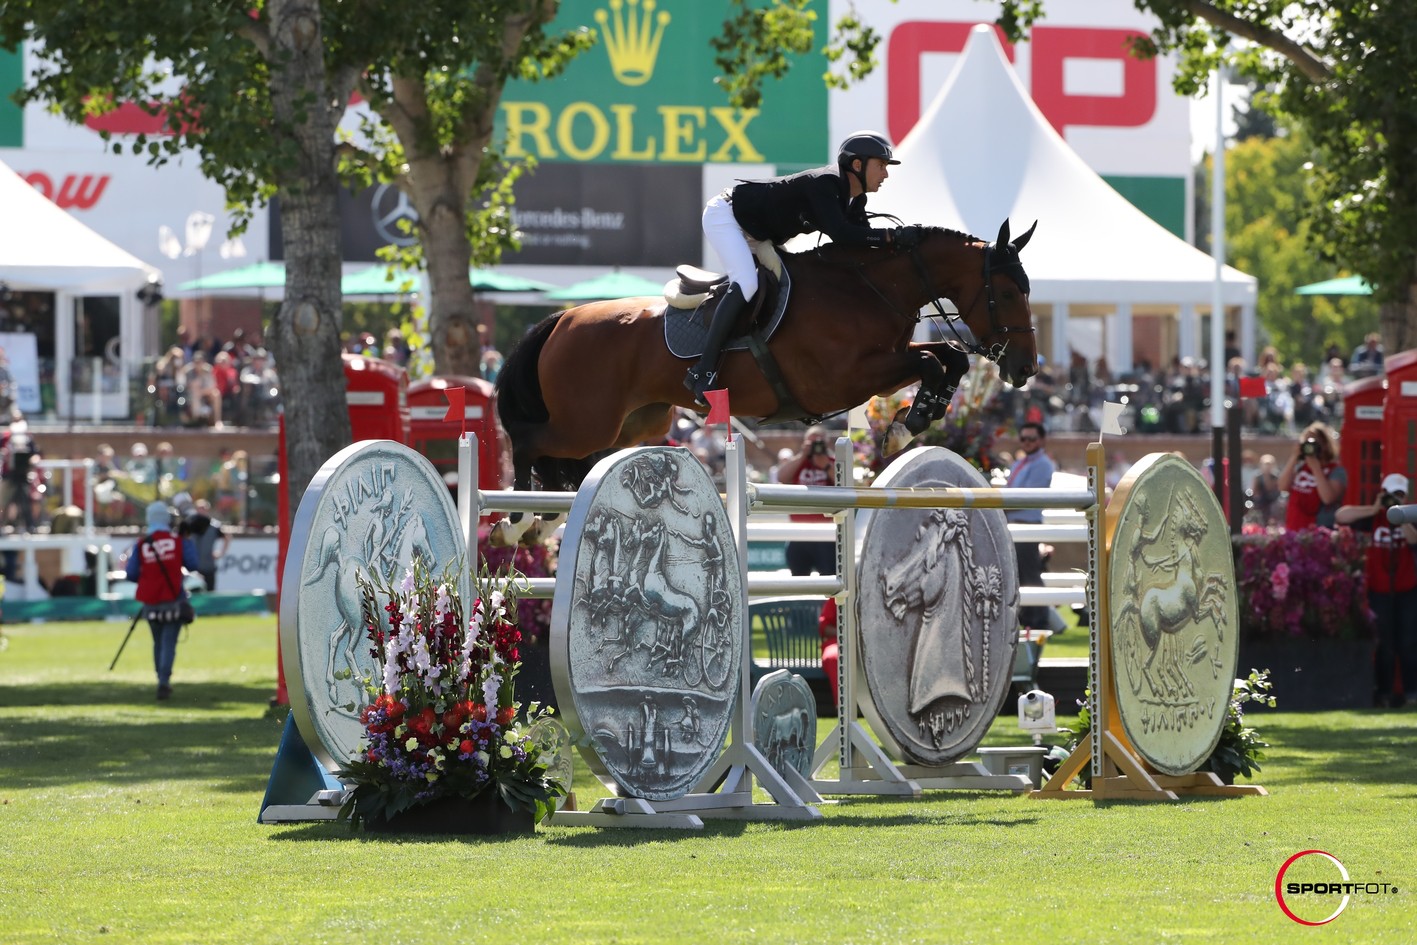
(206, 533)
(140, 467)
(1314, 480)
(1265, 491)
(1367, 359)
(165, 385)
(203, 396)
(155, 564)
(228, 382)
(831, 650)
(16, 502)
(170, 470)
(260, 390)
(810, 466)
(1034, 470)
(1392, 589)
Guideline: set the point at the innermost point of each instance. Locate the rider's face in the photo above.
(876, 173)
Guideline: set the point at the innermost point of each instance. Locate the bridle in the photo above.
(995, 351)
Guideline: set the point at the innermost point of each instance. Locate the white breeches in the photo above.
(729, 241)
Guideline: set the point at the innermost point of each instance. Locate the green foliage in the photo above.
(1240, 748)
(1269, 195)
(1343, 73)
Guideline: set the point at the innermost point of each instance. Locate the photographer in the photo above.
(810, 466)
(155, 564)
(1392, 588)
(1314, 480)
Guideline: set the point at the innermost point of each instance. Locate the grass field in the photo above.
(127, 820)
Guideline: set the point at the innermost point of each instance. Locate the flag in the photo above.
(457, 406)
(718, 406)
(1111, 418)
(1252, 387)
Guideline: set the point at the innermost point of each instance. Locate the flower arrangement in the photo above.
(1308, 583)
(442, 720)
(970, 428)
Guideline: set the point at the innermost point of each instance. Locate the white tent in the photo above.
(44, 249)
(983, 152)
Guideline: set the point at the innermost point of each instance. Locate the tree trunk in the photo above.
(305, 332)
(452, 320)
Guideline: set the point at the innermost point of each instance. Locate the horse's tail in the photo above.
(519, 400)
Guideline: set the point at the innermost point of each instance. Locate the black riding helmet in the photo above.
(864, 144)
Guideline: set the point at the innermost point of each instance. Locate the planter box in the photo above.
(484, 815)
(1312, 675)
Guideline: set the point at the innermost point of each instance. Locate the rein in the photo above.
(995, 351)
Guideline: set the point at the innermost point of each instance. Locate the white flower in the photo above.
(490, 687)
(497, 599)
(421, 660)
(411, 744)
(407, 585)
(391, 667)
(440, 603)
(483, 758)
(506, 751)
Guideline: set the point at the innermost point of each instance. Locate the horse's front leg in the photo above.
(512, 528)
(954, 362)
(931, 401)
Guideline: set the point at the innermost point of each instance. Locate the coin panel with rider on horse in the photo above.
(372, 508)
(1174, 612)
(647, 622)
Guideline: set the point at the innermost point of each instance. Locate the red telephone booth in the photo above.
(1400, 414)
(1361, 443)
(377, 394)
(437, 438)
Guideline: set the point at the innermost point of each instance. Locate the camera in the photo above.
(1387, 500)
(818, 448)
(1309, 447)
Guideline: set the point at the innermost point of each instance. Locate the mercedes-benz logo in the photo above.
(387, 207)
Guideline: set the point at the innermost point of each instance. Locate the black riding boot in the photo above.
(703, 376)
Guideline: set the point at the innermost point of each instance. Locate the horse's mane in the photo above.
(844, 253)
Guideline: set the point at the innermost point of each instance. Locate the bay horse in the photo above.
(599, 376)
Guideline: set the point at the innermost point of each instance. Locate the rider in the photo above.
(830, 199)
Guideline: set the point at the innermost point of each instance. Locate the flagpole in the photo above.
(1217, 302)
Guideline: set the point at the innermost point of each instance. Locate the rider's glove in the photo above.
(905, 237)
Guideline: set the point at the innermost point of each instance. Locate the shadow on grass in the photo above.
(1379, 751)
(121, 735)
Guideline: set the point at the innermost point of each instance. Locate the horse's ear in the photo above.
(1022, 241)
(1003, 239)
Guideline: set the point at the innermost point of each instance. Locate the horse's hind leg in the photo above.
(510, 530)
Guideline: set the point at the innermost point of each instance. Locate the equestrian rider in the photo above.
(830, 200)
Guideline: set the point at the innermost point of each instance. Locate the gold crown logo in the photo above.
(631, 39)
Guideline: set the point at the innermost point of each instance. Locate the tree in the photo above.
(436, 81)
(258, 89)
(1268, 192)
(1342, 72)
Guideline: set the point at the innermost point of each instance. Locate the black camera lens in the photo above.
(819, 448)
(1309, 447)
(1387, 500)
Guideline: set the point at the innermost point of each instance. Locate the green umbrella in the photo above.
(262, 275)
(489, 280)
(376, 280)
(1348, 285)
(612, 285)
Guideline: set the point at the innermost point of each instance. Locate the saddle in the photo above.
(693, 296)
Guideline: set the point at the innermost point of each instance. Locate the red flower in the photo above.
(505, 716)
(466, 746)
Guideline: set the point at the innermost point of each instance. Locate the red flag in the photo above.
(1252, 387)
(718, 406)
(457, 405)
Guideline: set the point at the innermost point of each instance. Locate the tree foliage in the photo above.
(258, 88)
(1341, 70)
(1268, 192)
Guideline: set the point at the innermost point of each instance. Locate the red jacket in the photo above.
(162, 553)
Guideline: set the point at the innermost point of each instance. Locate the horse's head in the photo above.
(999, 315)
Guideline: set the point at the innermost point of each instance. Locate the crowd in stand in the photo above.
(210, 383)
(1176, 398)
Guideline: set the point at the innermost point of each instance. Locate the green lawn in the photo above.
(127, 820)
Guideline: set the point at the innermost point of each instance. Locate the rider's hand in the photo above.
(906, 237)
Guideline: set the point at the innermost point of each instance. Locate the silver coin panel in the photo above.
(937, 610)
(371, 507)
(784, 713)
(647, 626)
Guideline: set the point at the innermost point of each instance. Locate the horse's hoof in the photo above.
(897, 438)
(499, 536)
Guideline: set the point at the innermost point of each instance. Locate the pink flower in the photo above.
(1279, 580)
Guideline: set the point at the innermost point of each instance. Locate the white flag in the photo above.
(1111, 417)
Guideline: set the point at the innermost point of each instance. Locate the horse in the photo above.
(599, 376)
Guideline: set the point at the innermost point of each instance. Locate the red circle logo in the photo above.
(1279, 886)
